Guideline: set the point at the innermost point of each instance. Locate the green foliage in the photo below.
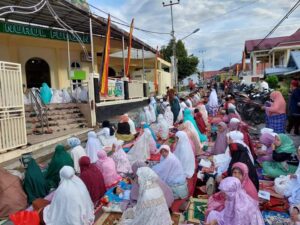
(272, 81)
(187, 65)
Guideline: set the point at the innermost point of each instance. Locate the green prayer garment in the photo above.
(60, 159)
(35, 184)
(275, 169)
(287, 144)
(187, 116)
(46, 94)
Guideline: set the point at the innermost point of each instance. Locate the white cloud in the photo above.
(224, 27)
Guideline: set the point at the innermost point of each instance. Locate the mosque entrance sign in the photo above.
(40, 32)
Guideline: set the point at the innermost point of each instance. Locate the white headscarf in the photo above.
(184, 152)
(93, 145)
(266, 130)
(163, 127)
(213, 99)
(189, 103)
(66, 96)
(83, 96)
(71, 203)
(121, 160)
(142, 148)
(238, 137)
(148, 115)
(57, 97)
(105, 139)
(131, 124)
(169, 116)
(77, 151)
(151, 204)
(152, 113)
(170, 169)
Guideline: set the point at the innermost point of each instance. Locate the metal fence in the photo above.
(12, 114)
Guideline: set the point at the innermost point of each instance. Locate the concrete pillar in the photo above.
(254, 64)
(287, 57)
(273, 59)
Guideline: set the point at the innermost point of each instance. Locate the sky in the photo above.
(224, 24)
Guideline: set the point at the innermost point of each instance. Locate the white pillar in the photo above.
(287, 57)
(273, 59)
(254, 64)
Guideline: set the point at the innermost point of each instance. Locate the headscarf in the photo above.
(105, 138)
(168, 115)
(134, 194)
(187, 116)
(92, 178)
(76, 152)
(170, 169)
(12, 195)
(57, 97)
(34, 184)
(73, 195)
(213, 99)
(151, 130)
(193, 136)
(151, 204)
(287, 144)
(148, 115)
(295, 83)
(141, 118)
(153, 103)
(93, 145)
(240, 208)
(247, 184)
(221, 141)
(131, 124)
(204, 113)
(152, 113)
(123, 166)
(234, 124)
(279, 104)
(185, 154)
(59, 159)
(142, 148)
(266, 130)
(267, 139)
(238, 138)
(200, 121)
(124, 118)
(294, 199)
(107, 167)
(135, 186)
(163, 127)
(46, 93)
(66, 96)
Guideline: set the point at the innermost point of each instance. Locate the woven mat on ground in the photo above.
(196, 211)
(113, 219)
(275, 218)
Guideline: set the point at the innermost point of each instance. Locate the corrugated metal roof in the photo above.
(72, 15)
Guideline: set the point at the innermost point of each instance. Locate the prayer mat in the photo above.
(114, 218)
(276, 218)
(196, 211)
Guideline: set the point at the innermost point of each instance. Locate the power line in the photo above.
(279, 23)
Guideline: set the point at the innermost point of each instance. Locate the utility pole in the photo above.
(203, 65)
(174, 42)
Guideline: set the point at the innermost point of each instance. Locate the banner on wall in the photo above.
(129, 49)
(105, 62)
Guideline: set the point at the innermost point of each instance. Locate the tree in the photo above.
(187, 65)
(272, 81)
